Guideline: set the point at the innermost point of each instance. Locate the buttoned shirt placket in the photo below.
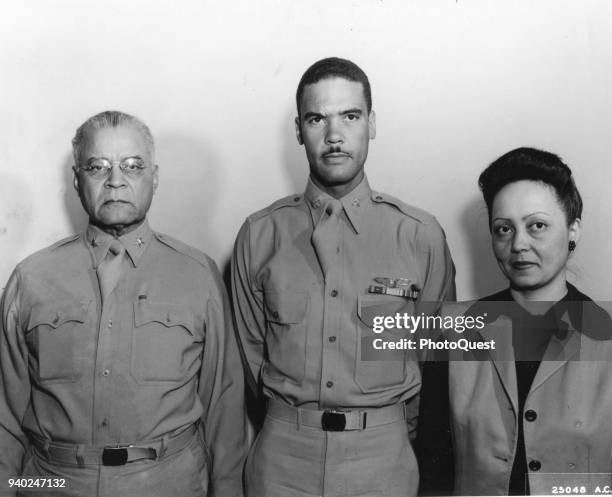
(115, 318)
(332, 317)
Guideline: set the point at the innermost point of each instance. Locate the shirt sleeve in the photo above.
(222, 394)
(435, 257)
(435, 261)
(14, 384)
(248, 303)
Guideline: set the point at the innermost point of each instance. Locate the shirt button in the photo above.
(535, 465)
(105, 422)
(275, 315)
(110, 323)
(530, 415)
(106, 372)
(334, 293)
(329, 384)
(572, 465)
(332, 339)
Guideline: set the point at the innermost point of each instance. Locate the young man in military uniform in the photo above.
(119, 370)
(309, 273)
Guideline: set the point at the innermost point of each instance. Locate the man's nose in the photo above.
(115, 177)
(334, 132)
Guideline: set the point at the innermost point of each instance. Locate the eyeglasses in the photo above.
(100, 168)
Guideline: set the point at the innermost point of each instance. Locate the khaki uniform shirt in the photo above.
(159, 355)
(302, 333)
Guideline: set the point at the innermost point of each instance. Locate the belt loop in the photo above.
(80, 459)
(363, 423)
(163, 447)
(405, 409)
(45, 448)
(298, 419)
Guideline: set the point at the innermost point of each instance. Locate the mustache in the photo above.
(336, 150)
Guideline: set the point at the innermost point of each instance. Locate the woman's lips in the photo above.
(519, 265)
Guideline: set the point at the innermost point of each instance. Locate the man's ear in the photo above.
(298, 130)
(75, 178)
(155, 177)
(372, 124)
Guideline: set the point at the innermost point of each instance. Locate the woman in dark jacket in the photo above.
(540, 402)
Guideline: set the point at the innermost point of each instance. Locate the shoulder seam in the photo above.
(64, 241)
(288, 201)
(183, 248)
(411, 211)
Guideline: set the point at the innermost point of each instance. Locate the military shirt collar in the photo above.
(353, 203)
(135, 242)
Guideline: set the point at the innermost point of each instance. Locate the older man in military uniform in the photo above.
(119, 371)
(309, 273)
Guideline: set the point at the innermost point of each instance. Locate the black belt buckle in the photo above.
(114, 456)
(333, 421)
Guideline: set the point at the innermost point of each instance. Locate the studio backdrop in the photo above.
(456, 83)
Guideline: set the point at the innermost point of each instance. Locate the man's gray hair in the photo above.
(109, 119)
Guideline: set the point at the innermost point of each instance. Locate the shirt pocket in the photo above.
(286, 338)
(164, 347)
(381, 370)
(56, 334)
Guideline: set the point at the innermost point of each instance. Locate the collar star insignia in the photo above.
(139, 242)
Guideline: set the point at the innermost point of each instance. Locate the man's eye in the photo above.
(97, 165)
(314, 120)
(352, 117)
(133, 166)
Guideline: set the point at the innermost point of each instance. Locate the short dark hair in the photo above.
(532, 164)
(334, 67)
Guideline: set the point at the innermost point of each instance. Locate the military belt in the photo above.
(337, 419)
(112, 455)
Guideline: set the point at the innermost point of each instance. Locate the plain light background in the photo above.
(456, 83)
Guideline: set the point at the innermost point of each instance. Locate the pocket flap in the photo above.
(370, 307)
(286, 307)
(55, 314)
(167, 314)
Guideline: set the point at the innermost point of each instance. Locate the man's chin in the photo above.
(336, 174)
(117, 225)
(116, 212)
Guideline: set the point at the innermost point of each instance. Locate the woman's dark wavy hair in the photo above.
(532, 164)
